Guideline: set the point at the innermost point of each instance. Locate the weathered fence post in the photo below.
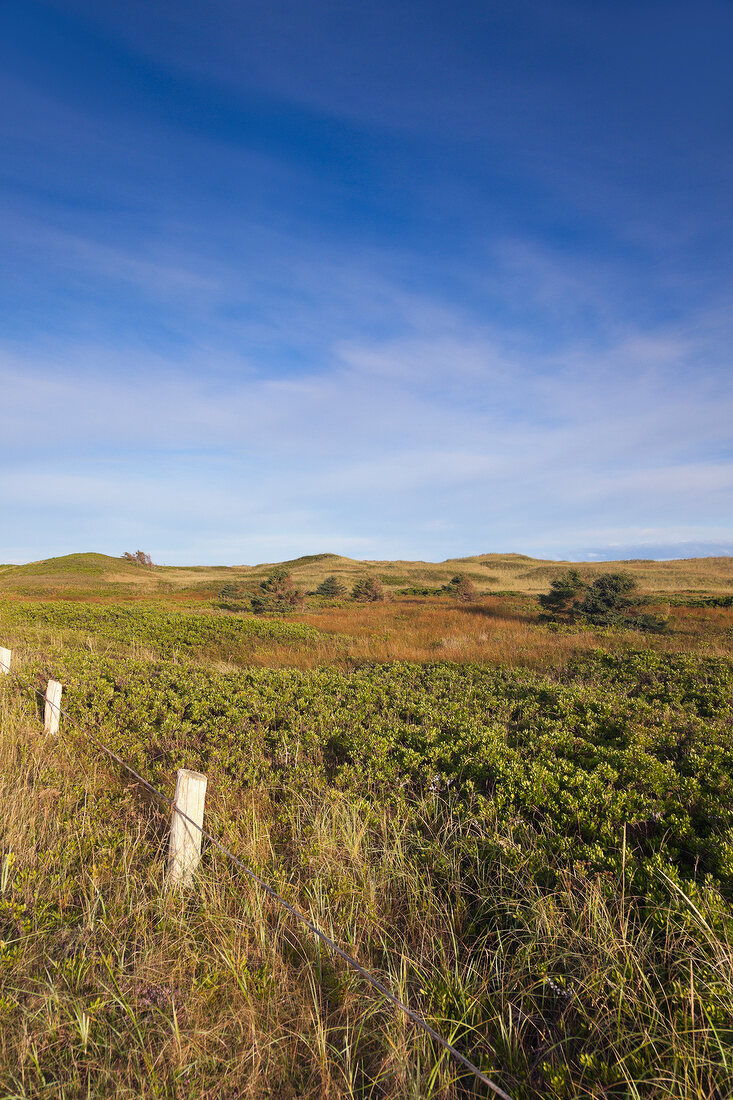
(52, 709)
(5, 656)
(184, 851)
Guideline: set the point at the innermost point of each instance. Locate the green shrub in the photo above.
(605, 603)
(367, 589)
(332, 588)
(168, 633)
(637, 742)
(278, 592)
(229, 592)
(564, 595)
(607, 595)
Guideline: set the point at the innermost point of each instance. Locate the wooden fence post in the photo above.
(184, 851)
(5, 656)
(52, 709)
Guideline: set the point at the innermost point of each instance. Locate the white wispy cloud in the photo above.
(387, 439)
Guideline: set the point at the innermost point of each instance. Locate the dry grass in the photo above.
(497, 631)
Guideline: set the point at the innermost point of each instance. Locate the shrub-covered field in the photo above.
(167, 633)
(639, 742)
(541, 862)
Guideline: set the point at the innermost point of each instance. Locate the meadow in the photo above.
(524, 829)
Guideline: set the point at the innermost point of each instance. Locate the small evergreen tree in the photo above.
(278, 592)
(564, 595)
(607, 595)
(332, 588)
(368, 590)
(605, 602)
(607, 598)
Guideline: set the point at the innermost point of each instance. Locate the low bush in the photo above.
(367, 590)
(278, 593)
(167, 633)
(332, 588)
(604, 603)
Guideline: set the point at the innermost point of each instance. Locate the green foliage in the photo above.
(278, 592)
(332, 588)
(558, 843)
(607, 596)
(693, 601)
(459, 587)
(367, 590)
(638, 742)
(229, 592)
(168, 633)
(605, 603)
(233, 597)
(564, 593)
(652, 624)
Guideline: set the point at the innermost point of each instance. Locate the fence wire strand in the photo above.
(331, 944)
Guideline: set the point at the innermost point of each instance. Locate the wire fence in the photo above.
(416, 1019)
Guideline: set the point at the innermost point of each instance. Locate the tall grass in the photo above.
(497, 631)
(559, 983)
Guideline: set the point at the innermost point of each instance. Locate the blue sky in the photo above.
(404, 279)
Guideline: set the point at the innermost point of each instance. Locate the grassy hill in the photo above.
(85, 576)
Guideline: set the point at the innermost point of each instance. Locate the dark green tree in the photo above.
(607, 597)
(564, 595)
(232, 597)
(278, 592)
(368, 590)
(606, 602)
(332, 588)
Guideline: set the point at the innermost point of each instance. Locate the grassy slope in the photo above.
(97, 575)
